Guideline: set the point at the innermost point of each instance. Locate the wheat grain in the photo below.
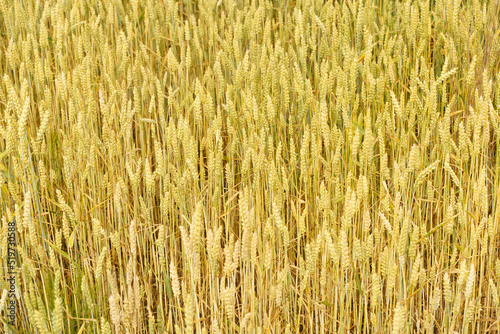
(196, 155)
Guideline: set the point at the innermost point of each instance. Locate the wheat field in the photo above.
(249, 166)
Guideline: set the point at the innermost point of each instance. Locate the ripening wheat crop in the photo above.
(249, 166)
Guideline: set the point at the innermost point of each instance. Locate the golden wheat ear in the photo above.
(235, 166)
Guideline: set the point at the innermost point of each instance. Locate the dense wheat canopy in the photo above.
(250, 166)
